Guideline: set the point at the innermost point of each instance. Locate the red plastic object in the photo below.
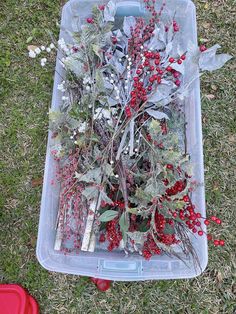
(33, 306)
(15, 300)
(102, 284)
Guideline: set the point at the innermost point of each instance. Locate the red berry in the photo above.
(103, 285)
(151, 79)
(169, 166)
(114, 40)
(216, 242)
(206, 222)
(222, 242)
(186, 199)
(101, 7)
(218, 221)
(169, 69)
(138, 72)
(152, 68)
(149, 88)
(128, 112)
(183, 57)
(171, 60)
(209, 237)
(102, 238)
(174, 215)
(159, 79)
(202, 48)
(200, 233)
(179, 61)
(176, 74)
(157, 61)
(213, 218)
(198, 215)
(177, 82)
(90, 20)
(176, 28)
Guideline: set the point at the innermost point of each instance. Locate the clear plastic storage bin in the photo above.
(115, 265)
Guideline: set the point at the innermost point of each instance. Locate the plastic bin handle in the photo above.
(126, 266)
(126, 8)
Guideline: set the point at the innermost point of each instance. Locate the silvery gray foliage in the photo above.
(129, 21)
(110, 11)
(74, 65)
(162, 93)
(157, 114)
(179, 67)
(210, 61)
(158, 41)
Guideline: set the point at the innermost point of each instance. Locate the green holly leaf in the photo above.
(108, 215)
(124, 226)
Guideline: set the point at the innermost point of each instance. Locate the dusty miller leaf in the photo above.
(154, 187)
(162, 92)
(108, 215)
(157, 114)
(158, 40)
(110, 11)
(210, 61)
(140, 198)
(74, 66)
(129, 21)
(178, 67)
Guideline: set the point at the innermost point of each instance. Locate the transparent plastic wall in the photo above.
(111, 265)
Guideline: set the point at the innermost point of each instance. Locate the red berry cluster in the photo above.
(175, 26)
(178, 187)
(150, 6)
(138, 95)
(137, 39)
(160, 222)
(150, 248)
(113, 234)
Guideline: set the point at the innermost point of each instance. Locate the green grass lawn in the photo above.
(25, 95)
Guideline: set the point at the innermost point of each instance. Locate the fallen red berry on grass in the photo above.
(94, 280)
(103, 284)
(222, 242)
